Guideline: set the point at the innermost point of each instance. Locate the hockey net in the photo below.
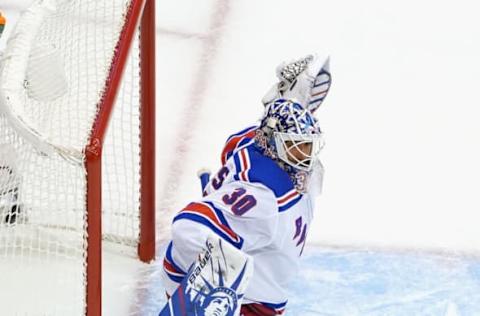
(76, 164)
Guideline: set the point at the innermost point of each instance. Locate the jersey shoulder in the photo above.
(236, 141)
(245, 199)
(254, 167)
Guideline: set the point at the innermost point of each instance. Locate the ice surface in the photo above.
(362, 282)
(372, 283)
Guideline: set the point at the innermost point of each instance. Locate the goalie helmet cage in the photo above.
(79, 130)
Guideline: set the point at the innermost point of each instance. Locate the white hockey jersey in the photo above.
(251, 203)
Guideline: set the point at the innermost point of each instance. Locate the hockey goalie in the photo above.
(234, 251)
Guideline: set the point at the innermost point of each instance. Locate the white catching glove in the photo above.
(306, 81)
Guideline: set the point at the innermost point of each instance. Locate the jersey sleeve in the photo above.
(243, 214)
(248, 226)
(249, 209)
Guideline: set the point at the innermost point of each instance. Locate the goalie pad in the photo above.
(214, 284)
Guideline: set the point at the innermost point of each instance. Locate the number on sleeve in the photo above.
(242, 205)
(229, 200)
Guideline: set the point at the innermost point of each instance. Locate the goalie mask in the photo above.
(291, 135)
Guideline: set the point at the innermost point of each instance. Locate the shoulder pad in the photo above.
(236, 141)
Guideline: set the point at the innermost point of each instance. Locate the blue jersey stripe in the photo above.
(289, 205)
(322, 83)
(169, 257)
(174, 278)
(317, 100)
(238, 166)
(243, 131)
(274, 306)
(219, 213)
(244, 142)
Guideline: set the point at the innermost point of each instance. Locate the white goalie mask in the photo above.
(294, 134)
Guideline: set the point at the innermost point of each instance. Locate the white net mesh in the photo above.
(53, 77)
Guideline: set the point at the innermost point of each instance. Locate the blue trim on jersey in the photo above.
(169, 256)
(174, 278)
(275, 306)
(317, 100)
(201, 220)
(290, 204)
(219, 213)
(237, 141)
(229, 154)
(244, 142)
(238, 167)
(321, 83)
(266, 171)
(243, 131)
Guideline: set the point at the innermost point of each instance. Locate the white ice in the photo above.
(402, 154)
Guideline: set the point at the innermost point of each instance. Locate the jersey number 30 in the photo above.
(240, 202)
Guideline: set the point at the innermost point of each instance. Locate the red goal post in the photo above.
(93, 163)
